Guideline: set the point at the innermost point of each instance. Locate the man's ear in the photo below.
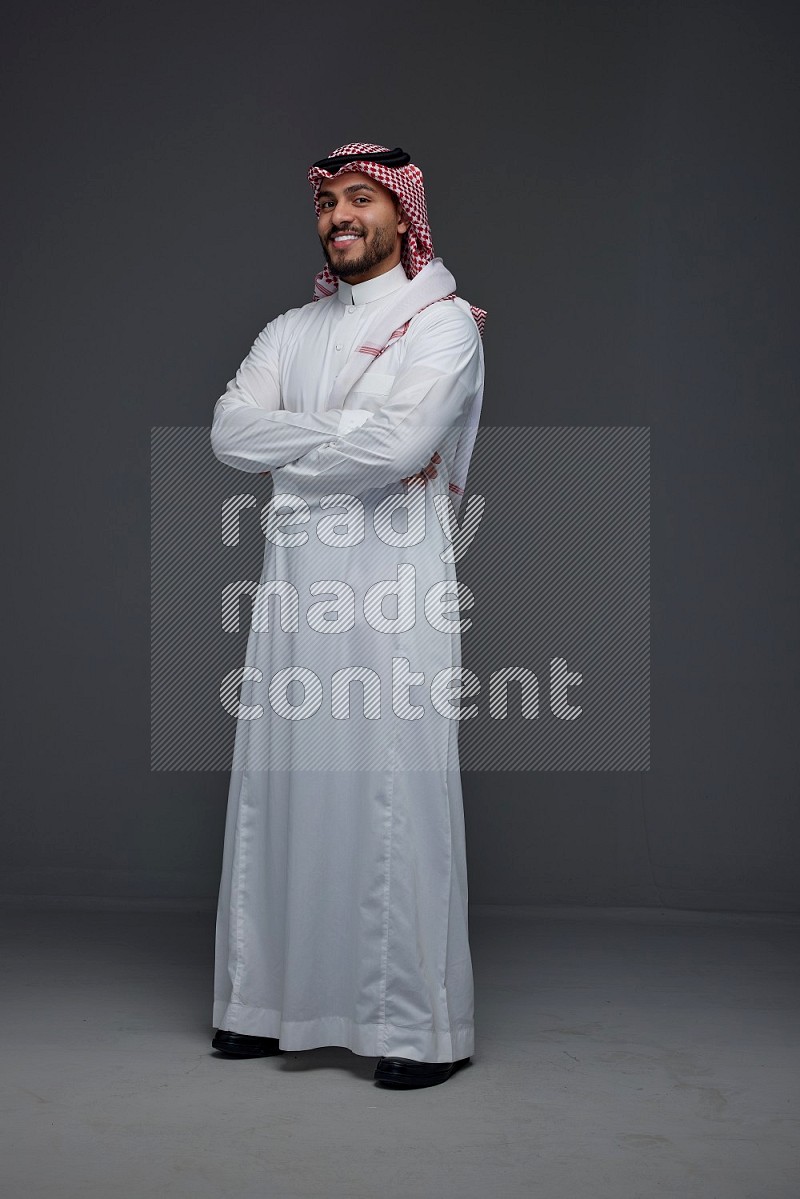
(402, 220)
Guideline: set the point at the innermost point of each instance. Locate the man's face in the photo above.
(360, 226)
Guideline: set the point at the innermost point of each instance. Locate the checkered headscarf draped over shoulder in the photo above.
(407, 184)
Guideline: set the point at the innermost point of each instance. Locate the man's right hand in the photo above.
(427, 472)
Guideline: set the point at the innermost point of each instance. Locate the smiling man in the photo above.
(342, 916)
(367, 232)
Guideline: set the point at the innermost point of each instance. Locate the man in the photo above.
(342, 915)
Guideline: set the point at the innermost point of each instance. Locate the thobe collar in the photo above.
(373, 289)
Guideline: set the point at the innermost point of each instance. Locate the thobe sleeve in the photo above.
(250, 429)
(424, 412)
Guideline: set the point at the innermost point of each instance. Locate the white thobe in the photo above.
(342, 915)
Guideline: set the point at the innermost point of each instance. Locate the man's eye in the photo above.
(329, 203)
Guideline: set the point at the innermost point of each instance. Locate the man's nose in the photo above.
(341, 213)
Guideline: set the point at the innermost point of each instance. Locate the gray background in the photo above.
(615, 183)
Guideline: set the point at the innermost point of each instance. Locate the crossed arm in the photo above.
(250, 430)
(441, 369)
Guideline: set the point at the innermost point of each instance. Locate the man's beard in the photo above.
(378, 248)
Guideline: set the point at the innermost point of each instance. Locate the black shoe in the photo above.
(236, 1044)
(403, 1072)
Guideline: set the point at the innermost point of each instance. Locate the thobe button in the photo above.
(338, 347)
(350, 310)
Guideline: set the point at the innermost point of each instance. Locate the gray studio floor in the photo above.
(619, 1054)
